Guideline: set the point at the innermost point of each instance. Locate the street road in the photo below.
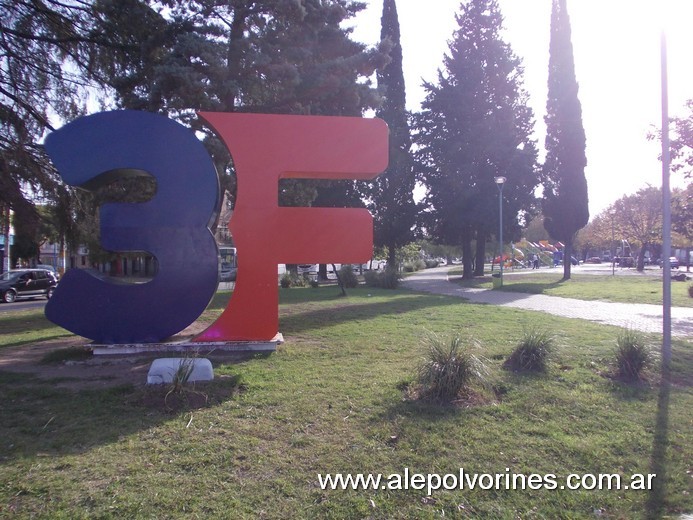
(22, 305)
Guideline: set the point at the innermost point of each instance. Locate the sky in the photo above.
(616, 46)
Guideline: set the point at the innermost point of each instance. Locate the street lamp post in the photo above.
(499, 182)
(613, 254)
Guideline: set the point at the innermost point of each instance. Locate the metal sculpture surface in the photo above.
(174, 225)
(266, 148)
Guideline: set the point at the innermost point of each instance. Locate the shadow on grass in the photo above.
(24, 328)
(419, 409)
(511, 283)
(473, 283)
(656, 499)
(679, 374)
(531, 287)
(38, 417)
(32, 341)
(632, 391)
(351, 310)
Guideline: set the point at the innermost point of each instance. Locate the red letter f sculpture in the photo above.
(266, 148)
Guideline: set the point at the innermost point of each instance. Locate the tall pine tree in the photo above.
(268, 56)
(565, 204)
(44, 66)
(476, 125)
(392, 199)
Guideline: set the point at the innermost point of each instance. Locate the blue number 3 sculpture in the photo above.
(173, 226)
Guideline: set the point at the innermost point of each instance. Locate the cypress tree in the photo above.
(392, 199)
(565, 204)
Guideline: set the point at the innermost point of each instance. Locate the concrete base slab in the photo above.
(188, 346)
(165, 370)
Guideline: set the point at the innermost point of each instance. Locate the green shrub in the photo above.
(371, 278)
(449, 368)
(633, 355)
(387, 279)
(348, 277)
(291, 280)
(285, 280)
(416, 265)
(533, 351)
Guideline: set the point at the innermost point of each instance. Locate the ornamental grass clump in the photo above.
(348, 277)
(450, 368)
(180, 389)
(633, 355)
(533, 352)
(387, 279)
(289, 279)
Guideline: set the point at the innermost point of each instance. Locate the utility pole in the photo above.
(666, 217)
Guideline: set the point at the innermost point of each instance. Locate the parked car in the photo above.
(593, 260)
(48, 268)
(673, 262)
(227, 273)
(26, 283)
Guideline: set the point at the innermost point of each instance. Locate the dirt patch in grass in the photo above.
(191, 397)
(68, 362)
(468, 398)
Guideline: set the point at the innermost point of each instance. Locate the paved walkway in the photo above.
(643, 317)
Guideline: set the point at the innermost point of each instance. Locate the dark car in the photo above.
(50, 268)
(26, 283)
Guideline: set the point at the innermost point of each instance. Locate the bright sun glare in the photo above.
(617, 60)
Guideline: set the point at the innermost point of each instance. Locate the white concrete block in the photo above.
(163, 370)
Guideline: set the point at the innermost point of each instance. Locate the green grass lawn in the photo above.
(631, 288)
(332, 399)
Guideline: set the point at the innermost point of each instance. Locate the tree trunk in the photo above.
(567, 255)
(234, 56)
(480, 253)
(322, 272)
(640, 266)
(467, 271)
(392, 258)
(339, 280)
